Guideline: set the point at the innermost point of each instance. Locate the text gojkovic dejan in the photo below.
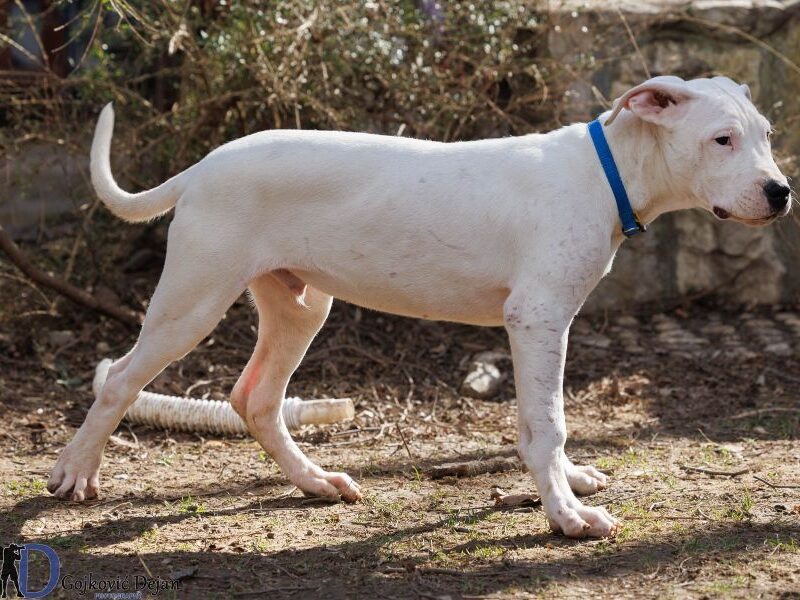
(91, 583)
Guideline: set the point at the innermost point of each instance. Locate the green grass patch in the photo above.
(740, 510)
(384, 509)
(723, 587)
(67, 542)
(25, 489)
(628, 459)
(779, 545)
(191, 506)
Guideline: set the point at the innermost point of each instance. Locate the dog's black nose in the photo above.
(777, 194)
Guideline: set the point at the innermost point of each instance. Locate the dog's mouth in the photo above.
(723, 214)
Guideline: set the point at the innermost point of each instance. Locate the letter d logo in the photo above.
(55, 569)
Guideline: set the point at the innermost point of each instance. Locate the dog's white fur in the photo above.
(514, 231)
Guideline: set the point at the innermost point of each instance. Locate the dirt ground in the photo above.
(663, 403)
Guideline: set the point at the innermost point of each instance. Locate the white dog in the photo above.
(514, 231)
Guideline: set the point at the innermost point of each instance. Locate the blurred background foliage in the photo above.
(187, 76)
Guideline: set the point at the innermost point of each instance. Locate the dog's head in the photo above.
(714, 144)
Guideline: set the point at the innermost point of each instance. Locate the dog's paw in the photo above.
(584, 521)
(74, 477)
(335, 486)
(585, 480)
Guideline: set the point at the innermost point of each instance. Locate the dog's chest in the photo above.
(463, 301)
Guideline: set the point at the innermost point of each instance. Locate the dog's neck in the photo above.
(652, 187)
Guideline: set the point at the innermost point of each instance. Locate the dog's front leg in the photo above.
(537, 327)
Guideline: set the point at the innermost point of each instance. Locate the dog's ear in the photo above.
(746, 91)
(658, 100)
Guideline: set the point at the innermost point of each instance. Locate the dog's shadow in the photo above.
(365, 567)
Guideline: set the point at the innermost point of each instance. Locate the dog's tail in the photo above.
(131, 207)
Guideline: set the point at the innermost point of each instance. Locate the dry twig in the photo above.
(706, 471)
(64, 288)
(776, 486)
(471, 468)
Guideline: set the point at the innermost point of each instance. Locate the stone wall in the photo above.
(691, 254)
(43, 180)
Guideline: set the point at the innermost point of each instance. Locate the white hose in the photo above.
(214, 416)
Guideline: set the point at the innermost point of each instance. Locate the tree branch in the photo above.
(66, 289)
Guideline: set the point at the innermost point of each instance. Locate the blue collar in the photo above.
(630, 222)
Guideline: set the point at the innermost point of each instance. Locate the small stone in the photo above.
(718, 329)
(760, 324)
(107, 295)
(627, 321)
(666, 325)
(482, 382)
(628, 336)
(680, 338)
(61, 338)
(787, 317)
(779, 349)
(593, 341)
(733, 448)
(581, 327)
(102, 348)
(735, 351)
(771, 336)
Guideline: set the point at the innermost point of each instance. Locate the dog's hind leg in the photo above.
(584, 479)
(290, 315)
(197, 286)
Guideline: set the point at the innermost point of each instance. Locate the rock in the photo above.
(667, 326)
(107, 295)
(483, 381)
(633, 349)
(680, 337)
(594, 340)
(790, 318)
(102, 348)
(581, 327)
(759, 324)
(627, 321)
(718, 330)
(738, 352)
(61, 338)
(628, 337)
(779, 349)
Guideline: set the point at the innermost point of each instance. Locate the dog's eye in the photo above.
(723, 140)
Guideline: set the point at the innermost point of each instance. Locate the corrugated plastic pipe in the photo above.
(214, 416)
